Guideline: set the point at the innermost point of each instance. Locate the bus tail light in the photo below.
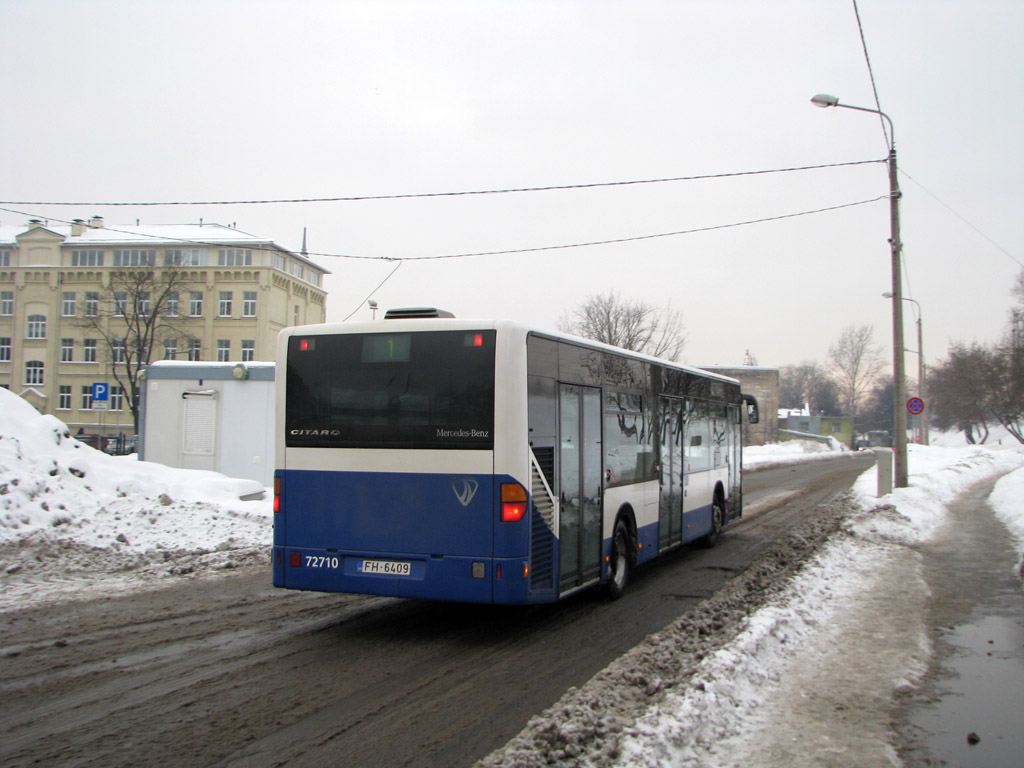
(277, 494)
(513, 502)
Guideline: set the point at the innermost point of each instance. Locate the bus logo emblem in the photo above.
(465, 490)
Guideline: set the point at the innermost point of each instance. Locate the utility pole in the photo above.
(896, 246)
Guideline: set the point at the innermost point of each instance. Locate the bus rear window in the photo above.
(427, 389)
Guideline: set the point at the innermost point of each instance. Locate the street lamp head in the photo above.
(823, 100)
(887, 295)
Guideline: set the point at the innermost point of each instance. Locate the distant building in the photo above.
(762, 383)
(802, 425)
(241, 290)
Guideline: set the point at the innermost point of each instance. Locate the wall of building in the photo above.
(762, 383)
(40, 271)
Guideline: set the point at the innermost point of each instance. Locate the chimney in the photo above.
(78, 227)
(96, 222)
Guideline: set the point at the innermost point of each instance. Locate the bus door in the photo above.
(670, 505)
(735, 430)
(698, 457)
(579, 484)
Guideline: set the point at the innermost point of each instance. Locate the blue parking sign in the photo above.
(101, 391)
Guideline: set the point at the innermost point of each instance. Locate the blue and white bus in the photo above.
(426, 456)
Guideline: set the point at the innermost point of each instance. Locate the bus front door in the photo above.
(579, 485)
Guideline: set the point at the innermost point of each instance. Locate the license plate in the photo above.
(388, 567)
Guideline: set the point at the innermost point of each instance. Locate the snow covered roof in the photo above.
(215, 234)
(154, 235)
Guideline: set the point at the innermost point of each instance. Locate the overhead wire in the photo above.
(611, 241)
(949, 208)
(459, 193)
(889, 141)
(510, 251)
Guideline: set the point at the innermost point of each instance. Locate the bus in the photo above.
(427, 456)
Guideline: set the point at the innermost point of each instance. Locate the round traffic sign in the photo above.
(915, 406)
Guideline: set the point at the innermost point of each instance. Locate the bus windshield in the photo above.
(432, 390)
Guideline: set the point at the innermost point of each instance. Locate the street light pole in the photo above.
(896, 245)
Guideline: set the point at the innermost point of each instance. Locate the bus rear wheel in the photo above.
(621, 561)
(717, 523)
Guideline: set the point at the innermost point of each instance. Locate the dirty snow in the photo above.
(75, 523)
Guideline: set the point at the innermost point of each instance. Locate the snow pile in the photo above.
(1006, 500)
(67, 509)
(790, 452)
(937, 475)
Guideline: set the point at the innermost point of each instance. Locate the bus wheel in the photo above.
(621, 561)
(717, 522)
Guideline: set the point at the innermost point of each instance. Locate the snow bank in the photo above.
(790, 452)
(66, 507)
(936, 475)
(1006, 499)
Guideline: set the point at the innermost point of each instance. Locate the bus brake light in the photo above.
(277, 494)
(513, 502)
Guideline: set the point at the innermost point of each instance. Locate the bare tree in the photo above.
(808, 384)
(634, 325)
(138, 308)
(856, 362)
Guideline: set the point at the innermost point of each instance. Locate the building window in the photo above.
(87, 398)
(194, 350)
(87, 258)
(248, 350)
(234, 257)
(142, 304)
(116, 398)
(134, 257)
(67, 350)
(117, 353)
(6, 303)
(68, 305)
(224, 308)
(92, 303)
(249, 304)
(312, 277)
(89, 350)
(5, 349)
(171, 304)
(185, 257)
(195, 304)
(120, 303)
(223, 350)
(170, 349)
(34, 372)
(5, 258)
(296, 269)
(277, 261)
(37, 326)
(296, 315)
(64, 397)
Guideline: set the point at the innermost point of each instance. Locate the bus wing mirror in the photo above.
(753, 412)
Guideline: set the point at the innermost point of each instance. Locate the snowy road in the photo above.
(228, 671)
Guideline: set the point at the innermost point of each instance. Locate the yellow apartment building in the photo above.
(68, 307)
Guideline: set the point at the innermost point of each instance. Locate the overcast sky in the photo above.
(235, 100)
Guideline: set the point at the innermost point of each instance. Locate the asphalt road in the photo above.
(231, 672)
